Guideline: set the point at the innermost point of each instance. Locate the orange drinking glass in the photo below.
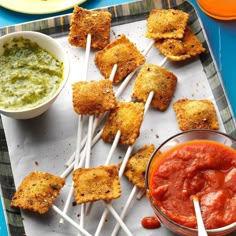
(219, 9)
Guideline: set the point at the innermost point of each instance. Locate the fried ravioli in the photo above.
(98, 183)
(126, 117)
(136, 166)
(121, 52)
(196, 114)
(180, 49)
(93, 97)
(38, 191)
(166, 23)
(157, 79)
(84, 22)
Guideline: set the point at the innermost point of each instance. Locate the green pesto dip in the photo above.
(29, 75)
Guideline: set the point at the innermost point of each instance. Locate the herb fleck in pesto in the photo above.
(29, 75)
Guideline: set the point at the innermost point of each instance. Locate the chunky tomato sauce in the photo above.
(203, 168)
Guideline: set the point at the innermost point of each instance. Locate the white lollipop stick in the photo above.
(87, 53)
(96, 138)
(119, 91)
(89, 142)
(91, 129)
(122, 224)
(89, 138)
(82, 159)
(67, 218)
(149, 47)
(82, 215)
(92, 126)
(105, 212)
(110, 154)
(125, 209)
(116, 216)
(101, 222)
(130, 148)
(97, 121)
(85, 75)
(70, 160)
(128, 78)
(141, 193)
(87, 164)
(80, 125)
(163, 61)
(123, 164)
(113, 147)
(134, 190)
(77, 153)
(68, 170)
(118, 94)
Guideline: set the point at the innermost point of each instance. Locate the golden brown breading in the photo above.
(155, 78)
(99, 183)
(38, 191)
(180, 49)
(126, 117)
(121, 52)
(84, 22)
(136, 166)
(166, 23)
(93, 97)
(196, 114)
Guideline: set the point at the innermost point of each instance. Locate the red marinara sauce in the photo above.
(150, 222)
(203, 168)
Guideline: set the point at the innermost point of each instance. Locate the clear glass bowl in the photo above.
(167, 145)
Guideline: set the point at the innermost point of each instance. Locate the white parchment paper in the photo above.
(45, 143)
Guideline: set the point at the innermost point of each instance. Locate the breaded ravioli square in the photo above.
(98, 183)
(38, 191)
(84, 22)
(93, 97)
(136, 166)
(126, 117)
(196, 114)
(181, 49)
(122, 52)
(166, 23)
(157, 79)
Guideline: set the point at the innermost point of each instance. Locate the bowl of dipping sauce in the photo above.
(198, 163)
(34, 68)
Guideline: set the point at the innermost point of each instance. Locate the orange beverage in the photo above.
(219, 9)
